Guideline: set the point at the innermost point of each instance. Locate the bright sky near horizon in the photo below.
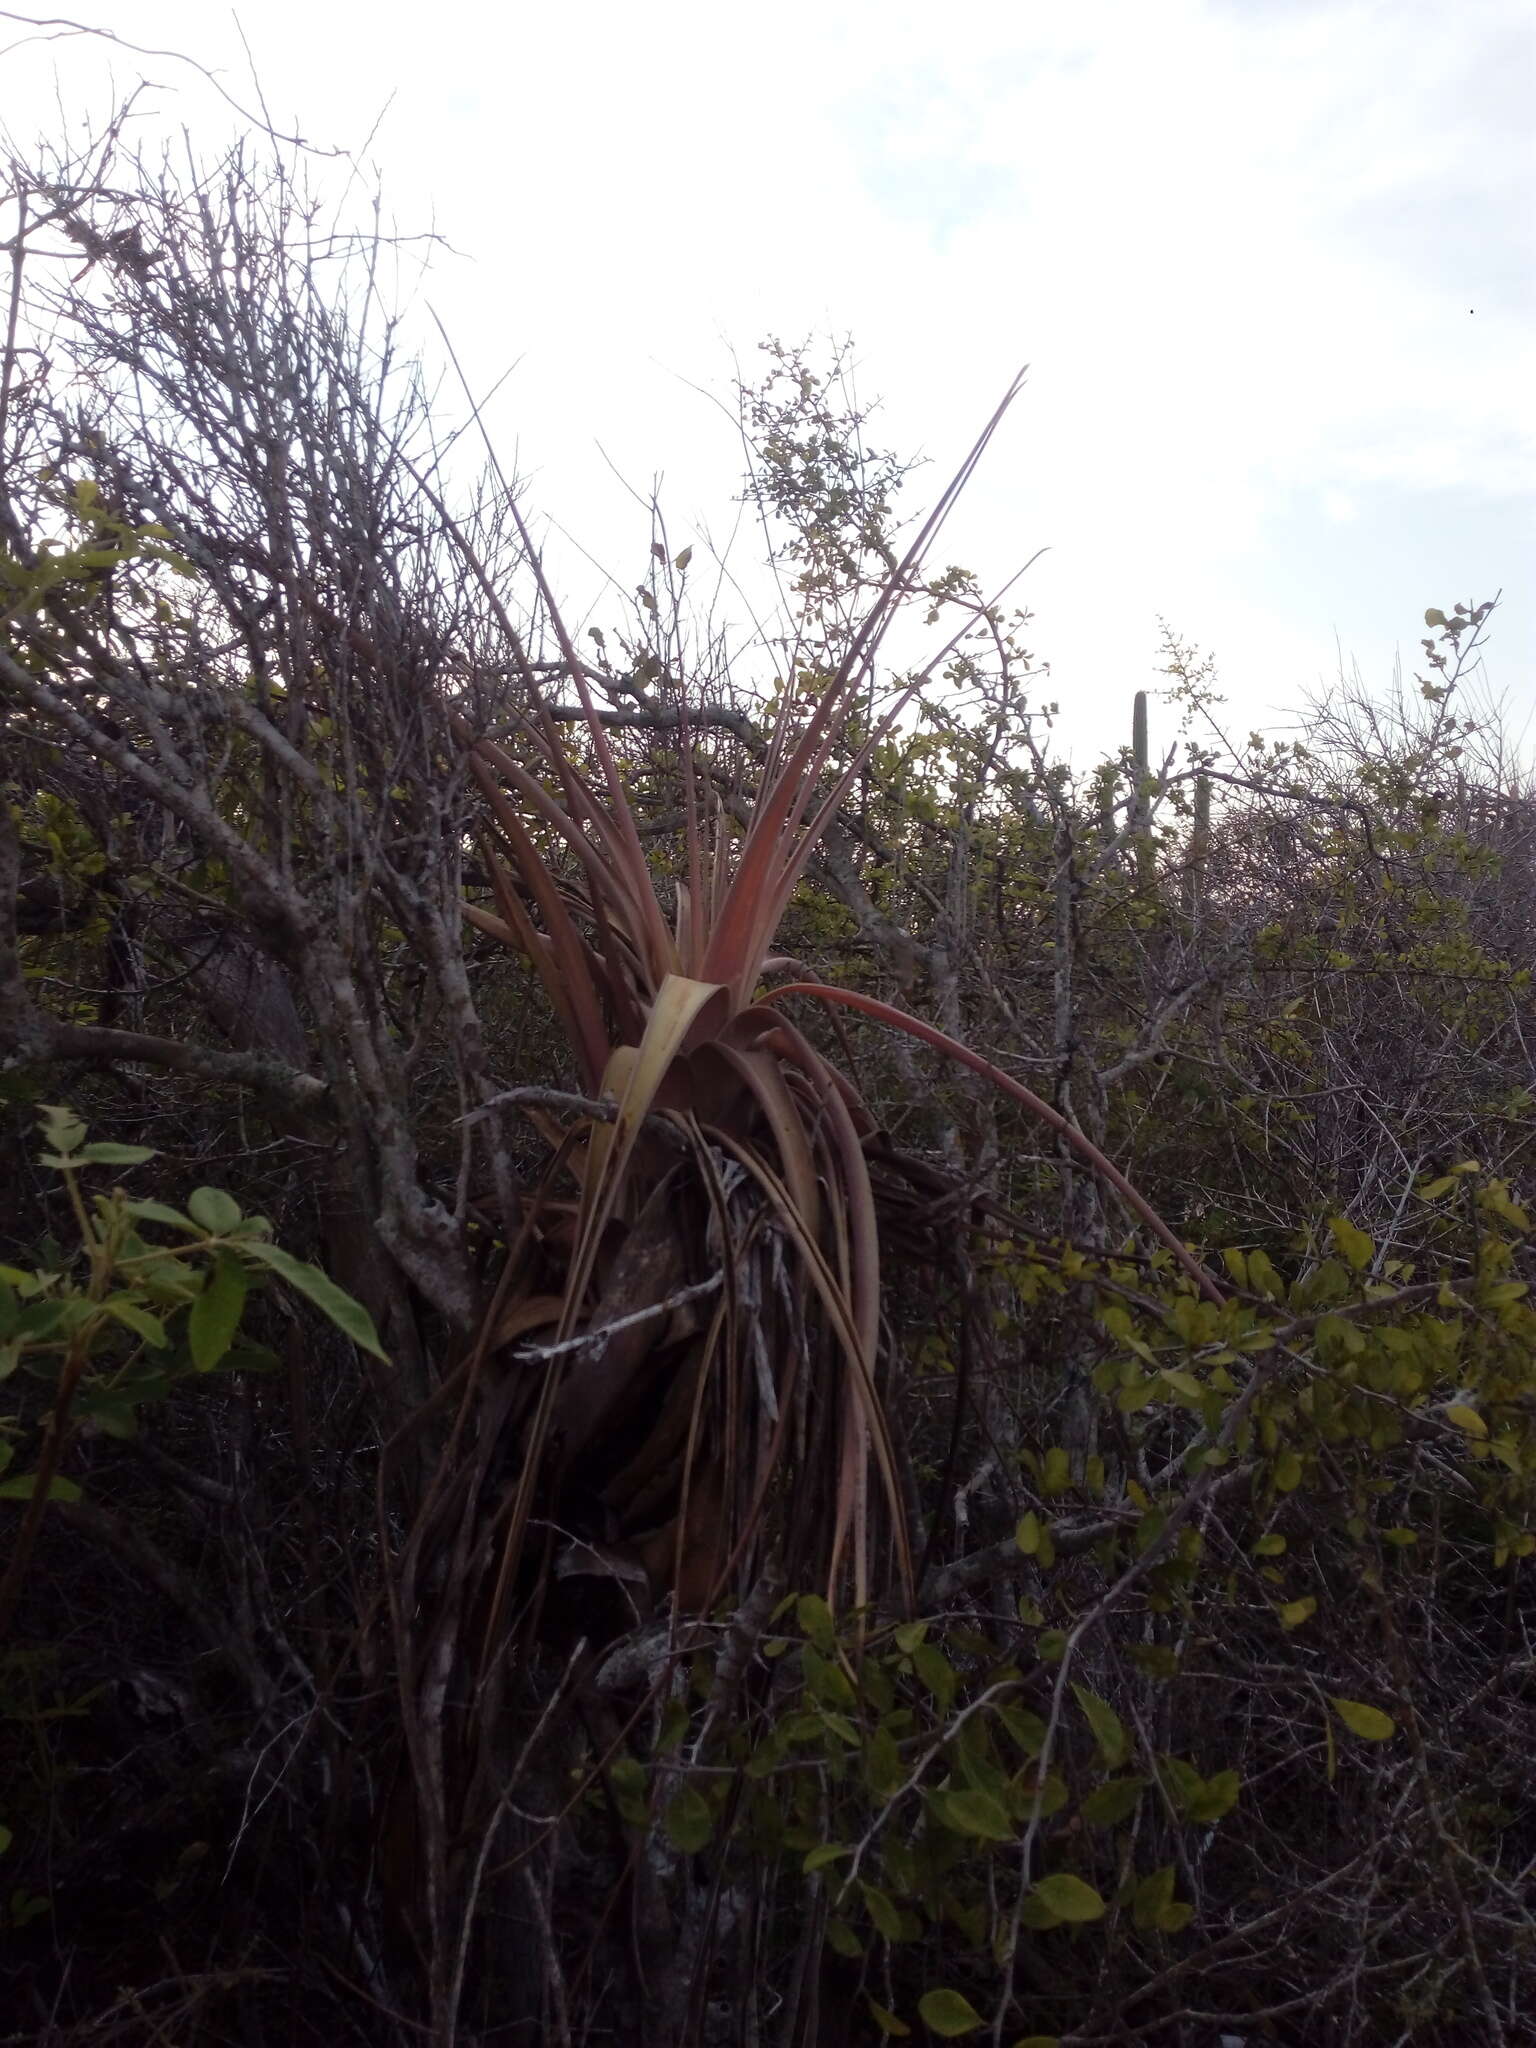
(1272, 264)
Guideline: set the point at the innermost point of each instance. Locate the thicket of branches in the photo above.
(948, 1443)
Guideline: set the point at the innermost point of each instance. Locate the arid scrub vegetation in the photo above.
(696, 1349)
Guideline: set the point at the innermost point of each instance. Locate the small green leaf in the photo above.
(886, 2021)
(827, 1852)
(1270, 1545)
(62, 1129)
(1359, 1719)
(815, 1618)
(1108, 1731)
(1352, 1245)
(1027, 1535)
(674, 1726)
(688, 1821)
(105, 1153)
(949, 2013)
(627, 1782)
(113, 1418)
(157, 1212)
(936, 1672)
(1295, 1612)
(1069, 1898)
(1152, 1897)
(215, 1315)
(1027, 1729)
(1215, 1798)
(882, 1911)
(843, 1941)
(125, 1310)
(214, 1210)
(974, 1813)
(1466, 1418)
(20, 1487)
(349, 1316)
(1287, 1472)
(1039, 2041)
(1112, 1802)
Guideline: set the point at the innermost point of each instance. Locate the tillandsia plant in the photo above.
(725, 1136)
(682, 1365)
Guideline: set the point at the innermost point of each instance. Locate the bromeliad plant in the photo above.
(679, 1389)
(725, 1139)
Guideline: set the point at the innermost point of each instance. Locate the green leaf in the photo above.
(1108, 1731)
(1039, 2041)
(627, 1782)
(113, 1418)
(62, 1129)
(819, 1857)
(1466, 1418)
(842, 1939)
(688, 1821)
(886, 2021)
(250, 1358)
(1069, 1898)
(215, 1315)
(21, 1486)
(1215, 1798)
(125, 1310)
(1027, 1729)
(1287, 1472)
(6, 1838)
(674, 1726)
(936, 1672)
(1027, 1535)
(1295, 1612)
(214, 1210)
(106, 1153)
(157, 1212)
(1434, 616)
(1152, 1897)
(1113, 1802)
(949, 2013)
(1352, 1245)
(974, 1813)
(815, 1618)
(349, 1316)
(1359, 1719)
(1183, 1383)
(882, 1911)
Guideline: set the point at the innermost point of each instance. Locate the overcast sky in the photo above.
(1272, 265)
